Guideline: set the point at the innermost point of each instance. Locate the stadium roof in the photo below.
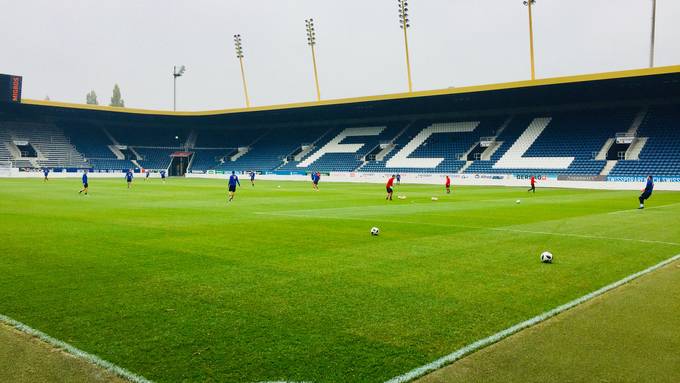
(660, 83)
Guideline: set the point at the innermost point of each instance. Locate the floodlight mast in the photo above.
(238, 45)
(311, 41)
(528, 4)
(404, 24)
(653, 32)
(176, 73)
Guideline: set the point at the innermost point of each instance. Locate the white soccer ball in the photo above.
(518, 201)
(435, 199)
(375, 231)
(401, 197)
(546, 257)
(278, 186)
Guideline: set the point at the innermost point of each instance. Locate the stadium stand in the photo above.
(5, 155)
(558, 143)
(342, 148)
(272, 149)
(51, 146)
(90, 141)
(208, 159)
(93, 143)
(323, 138)
(215, 149)
(660, 155)
(435, 147)
(154, 158)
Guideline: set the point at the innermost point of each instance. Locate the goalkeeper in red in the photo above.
(389, 188)
(532, 180)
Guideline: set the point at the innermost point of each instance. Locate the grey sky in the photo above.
(66, 48)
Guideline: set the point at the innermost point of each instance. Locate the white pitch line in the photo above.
(587, 236)
(458, 354)
(647, 208)
(583, 236)
(78, 353)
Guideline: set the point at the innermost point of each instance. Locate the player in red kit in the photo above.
(533, 184)
(448, 185)
(390, 182)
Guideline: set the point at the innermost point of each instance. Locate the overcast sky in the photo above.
(66, 48)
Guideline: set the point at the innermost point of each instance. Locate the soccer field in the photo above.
(171, 282)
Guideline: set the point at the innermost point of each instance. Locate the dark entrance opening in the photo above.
(617, 151)
(179, 163)
(476, 153)
(26, 149)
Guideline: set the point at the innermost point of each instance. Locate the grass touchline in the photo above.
(76, 352)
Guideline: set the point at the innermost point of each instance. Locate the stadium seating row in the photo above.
(558, 142)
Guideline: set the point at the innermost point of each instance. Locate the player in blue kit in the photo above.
(647, 192)
(85, 184)
(148, 173)
(233, 181)
(46, 172)
(163, 176)
(252, 178)
(128, 178)
(316, 177)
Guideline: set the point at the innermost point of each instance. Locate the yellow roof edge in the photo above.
(393, 96)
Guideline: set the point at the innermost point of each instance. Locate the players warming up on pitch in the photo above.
(85, 185)
(448, 185)
(233, 181)
(46, 172)
(252, 178)
(316, 176)
(163, 176)
(148, 173)
(388, 187)
(533, 184)
(647, 192)
(128, 178)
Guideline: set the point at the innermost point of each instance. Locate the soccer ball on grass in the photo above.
(375, 231)
(546, 257)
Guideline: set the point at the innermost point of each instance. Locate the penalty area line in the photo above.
(76, 352)
(460, 353)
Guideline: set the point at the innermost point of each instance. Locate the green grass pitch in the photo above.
(172, 283)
